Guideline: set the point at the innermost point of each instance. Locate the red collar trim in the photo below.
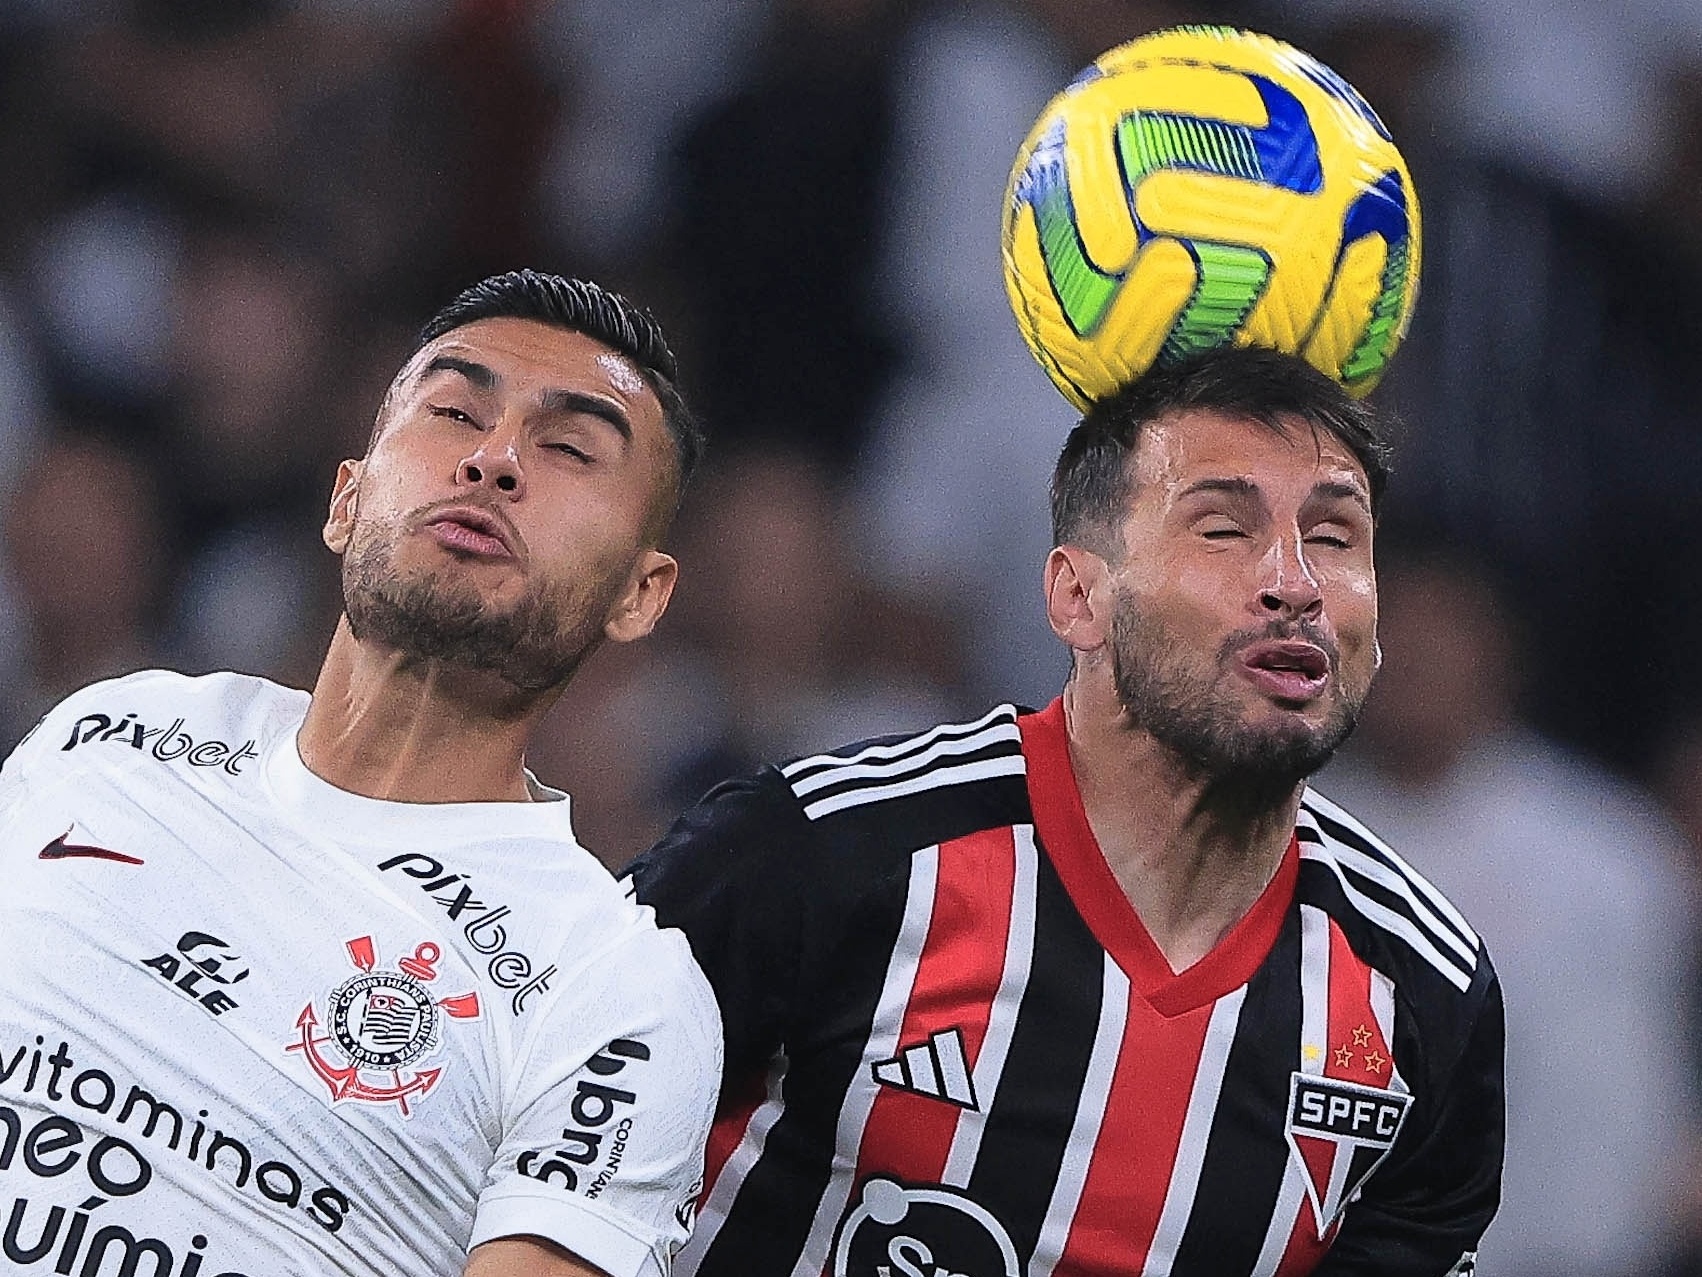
(1061, 821)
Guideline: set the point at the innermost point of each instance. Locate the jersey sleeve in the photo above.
(607, 1115)
(65, 725)
(730, 874)
(1424, 1216)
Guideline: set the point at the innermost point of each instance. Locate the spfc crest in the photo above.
(1341, 1132)
(377, 1025)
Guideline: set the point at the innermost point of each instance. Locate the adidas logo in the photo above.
(936, 1068)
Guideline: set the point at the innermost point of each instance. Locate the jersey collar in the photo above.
(1061, 822)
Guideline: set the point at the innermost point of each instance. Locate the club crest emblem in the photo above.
(1340, 1132)
(377, 1025)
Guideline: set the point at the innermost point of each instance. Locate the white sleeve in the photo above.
(610, 1104)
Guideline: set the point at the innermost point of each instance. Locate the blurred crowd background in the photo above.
(223, 220)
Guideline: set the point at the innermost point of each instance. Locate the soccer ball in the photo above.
(1205, 185)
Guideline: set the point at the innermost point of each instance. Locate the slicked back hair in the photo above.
(1095, 474)
(581, 306)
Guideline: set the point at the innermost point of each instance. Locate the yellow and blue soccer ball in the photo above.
(1205, 185)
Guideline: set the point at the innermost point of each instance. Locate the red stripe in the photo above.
(1138, 1141)
(1068, 838)
(731, 1120)
(963, 958)
(1356, 1051)
(1305, 1251)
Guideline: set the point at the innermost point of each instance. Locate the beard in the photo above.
(1189, 706)
(534, 646)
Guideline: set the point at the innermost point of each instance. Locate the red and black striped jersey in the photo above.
(954, 1051)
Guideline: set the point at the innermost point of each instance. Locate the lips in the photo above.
(1288, 670)
(470, 530)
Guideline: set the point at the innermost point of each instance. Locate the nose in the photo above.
(494, 464)
(1289, 588)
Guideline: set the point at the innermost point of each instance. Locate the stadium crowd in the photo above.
(223, 218)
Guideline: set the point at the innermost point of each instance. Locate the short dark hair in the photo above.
(598, 312)
(1092, 480)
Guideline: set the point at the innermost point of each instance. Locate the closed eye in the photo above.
(578, 454)
(453, 414)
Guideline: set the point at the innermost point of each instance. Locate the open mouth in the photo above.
(1287, 670)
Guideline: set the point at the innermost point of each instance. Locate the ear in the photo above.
(1079, 604)
(340, 522)
(645, 599)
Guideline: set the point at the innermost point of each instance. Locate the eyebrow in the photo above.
(1335, 489)
(1329, 489)
(554, 401)
(576, 401)
(1233, 487)
(482, 377)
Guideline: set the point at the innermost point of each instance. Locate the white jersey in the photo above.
(254, 1025)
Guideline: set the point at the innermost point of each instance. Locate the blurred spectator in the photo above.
(630, 77)
(85, 547)
(774, 645)
(778, 196)
(1554, 402)
(1580, 890)
(952, 485)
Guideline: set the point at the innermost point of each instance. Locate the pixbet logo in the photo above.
(594, 1107)
(481, 924)
(168, 744)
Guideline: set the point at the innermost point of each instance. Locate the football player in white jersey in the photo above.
(310, 985)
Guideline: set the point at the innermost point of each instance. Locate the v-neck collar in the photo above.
(1060, 819)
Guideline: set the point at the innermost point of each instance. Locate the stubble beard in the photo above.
(1187, 707)
(534, 646)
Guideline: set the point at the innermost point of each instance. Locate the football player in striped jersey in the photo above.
(1106, 990)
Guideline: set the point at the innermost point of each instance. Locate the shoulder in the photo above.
(163, 710)
(898, 792)
(627, 967)
(1387, 911)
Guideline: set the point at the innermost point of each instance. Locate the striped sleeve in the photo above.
(1424, 1216)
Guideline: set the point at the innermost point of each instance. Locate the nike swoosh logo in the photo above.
(59, 849)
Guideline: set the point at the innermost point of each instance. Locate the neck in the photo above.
(1192, 852)
(385, 725)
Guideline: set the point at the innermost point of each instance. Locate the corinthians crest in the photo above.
(380, 1022)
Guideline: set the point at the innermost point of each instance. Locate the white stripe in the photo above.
(1389, 920)
(1438, 901)
(1010, 766)
(953, 1068)
(1196, 1132)
(719, 1204)
(1385, 876)
(1314, 988)
(1291, 1200)
(882, 1044)
(909, 763)
(1001, 1017)
(897, 747)
(1084, 1131)
(1383, 1011)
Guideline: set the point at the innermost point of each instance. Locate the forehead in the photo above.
(1182, 448)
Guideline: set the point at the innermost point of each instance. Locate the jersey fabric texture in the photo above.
(252, 1024)
(952, 1048)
